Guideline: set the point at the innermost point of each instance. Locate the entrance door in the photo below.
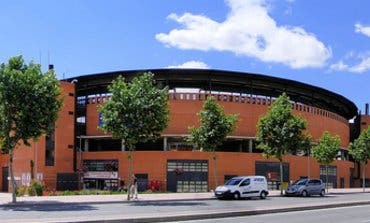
(187, 175)
(5, 179)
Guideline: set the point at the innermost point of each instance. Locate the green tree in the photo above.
(326, 150)
(280, 132)
(29, 105)
(136, 112)
(215, 125)
(360, 151)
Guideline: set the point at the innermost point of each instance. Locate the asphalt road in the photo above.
(145, 209)
(355, 214)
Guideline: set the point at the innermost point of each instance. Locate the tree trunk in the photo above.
(363, 178)
(308, 164)
(32, 167)
(129, 179)
(281, 177)
(215, 169)
(12, 181)
(326, 180)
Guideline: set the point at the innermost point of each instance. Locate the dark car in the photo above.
(306, 187)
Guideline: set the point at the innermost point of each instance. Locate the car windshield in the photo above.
(300, 182)
(233, 182)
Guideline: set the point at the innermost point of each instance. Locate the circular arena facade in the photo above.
(90, 158)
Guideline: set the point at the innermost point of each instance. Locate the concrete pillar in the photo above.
(250, 145)
(164, 143)
(86, 145)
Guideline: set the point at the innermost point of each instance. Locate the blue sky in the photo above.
(323, 43)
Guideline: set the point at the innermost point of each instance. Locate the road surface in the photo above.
(155, 209)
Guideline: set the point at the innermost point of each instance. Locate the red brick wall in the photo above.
(154, 163)
(64, 136)
(365, 122)
(183, 114)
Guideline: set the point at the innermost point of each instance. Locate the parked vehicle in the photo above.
(306, 187)
(242, 187)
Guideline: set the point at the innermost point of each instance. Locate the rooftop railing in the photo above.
(232, 98)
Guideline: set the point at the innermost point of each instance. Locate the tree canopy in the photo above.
(360, 151)
(215, 125)
(360, 148)
(137, 111)
(29, 104)
(326, 149)
(280, 132)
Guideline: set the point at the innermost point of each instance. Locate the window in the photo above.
(246, 182)
(50, 149)
(187, 166)
(101, 165)
(192, 186)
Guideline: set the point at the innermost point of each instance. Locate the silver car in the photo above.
(306, 187)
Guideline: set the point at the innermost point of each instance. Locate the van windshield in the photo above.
(233, 182)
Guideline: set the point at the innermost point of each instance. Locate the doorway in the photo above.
(5, 171)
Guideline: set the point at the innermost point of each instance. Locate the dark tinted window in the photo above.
(50, 149)
(246, 182)
(234, 181)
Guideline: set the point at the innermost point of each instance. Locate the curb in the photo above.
(47, 203)
(225, 214)
(43, 203)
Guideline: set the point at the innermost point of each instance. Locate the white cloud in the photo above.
(248, 30)
(362, 66)
(191, 64)
(340, 66)
(359, 28)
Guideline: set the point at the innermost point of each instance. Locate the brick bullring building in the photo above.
(79, 155)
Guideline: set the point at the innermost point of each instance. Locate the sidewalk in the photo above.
(5, 198)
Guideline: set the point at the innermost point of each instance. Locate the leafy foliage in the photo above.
(214, 126)
(360, 148)
(326, 149)
(29, 102)
(280, 132)
(136, 111)
(29, 105)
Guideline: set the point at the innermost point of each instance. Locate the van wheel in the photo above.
(322, 193)
(236, 195)
(263, 195)
(304, 193)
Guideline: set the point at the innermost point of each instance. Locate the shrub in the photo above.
(21, 191)
(36, 188)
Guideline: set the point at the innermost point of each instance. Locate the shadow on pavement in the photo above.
(167, 203)
(54, 206)
(315, 197)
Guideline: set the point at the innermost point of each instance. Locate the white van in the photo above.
(245, 186)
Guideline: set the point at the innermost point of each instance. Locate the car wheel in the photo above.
(304, 193)
(322, 193)
(236, 195)
(263, 195)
